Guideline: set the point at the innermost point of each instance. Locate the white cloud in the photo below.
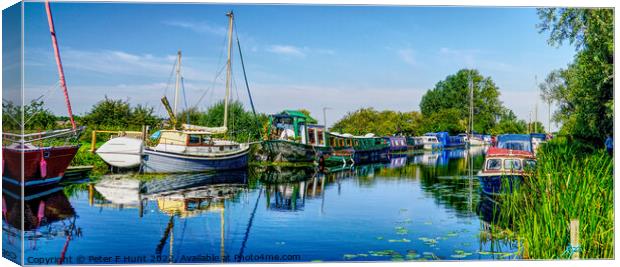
(286, 50)
(296, 51)
(121, 64)
(199, 27)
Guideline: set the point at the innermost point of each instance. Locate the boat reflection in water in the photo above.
(286, 189)
(47, 215)
(183, 194)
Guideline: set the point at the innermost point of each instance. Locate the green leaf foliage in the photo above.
(446, 107)
(382, 123)
(584, 90)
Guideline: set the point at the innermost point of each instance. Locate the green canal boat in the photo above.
(293, 136)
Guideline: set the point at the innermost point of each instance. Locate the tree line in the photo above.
(446, 107)
(119, 114)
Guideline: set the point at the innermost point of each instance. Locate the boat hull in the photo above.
(166, 162)
(371, 155)
(494, 185)
(288, 151)
(57, 160)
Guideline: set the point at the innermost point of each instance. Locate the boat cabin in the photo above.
(343, 141)
(196, 141)
(505, 161)
(296, 126)
(521, 142)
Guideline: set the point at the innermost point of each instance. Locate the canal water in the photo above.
(417, 207)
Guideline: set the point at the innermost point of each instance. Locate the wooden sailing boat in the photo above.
(189, 149)
(193, 148)
(27, 164)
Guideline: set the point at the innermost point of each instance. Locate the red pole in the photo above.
(61, 72)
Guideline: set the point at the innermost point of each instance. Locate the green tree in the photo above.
(447, 120)
(382, 123)
(508, 123)
(242, 124)
(586, 100)
(118, 114)
(36, 117)
(453, 93)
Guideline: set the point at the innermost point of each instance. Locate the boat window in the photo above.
(494, 164)
(529, 164)
(194, 139)
(320, 136)
(221, 148)
(311, 136)
(512, 164)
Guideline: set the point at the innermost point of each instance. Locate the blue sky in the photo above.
(297, 56)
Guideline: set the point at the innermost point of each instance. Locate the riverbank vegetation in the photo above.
(573, 180)
(574, 175)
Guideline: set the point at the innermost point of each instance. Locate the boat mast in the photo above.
(61, 72)
(176, 88)
(471, 106)
(228, 67)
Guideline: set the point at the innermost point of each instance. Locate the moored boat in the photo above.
(507, 164)
(191, 148)
(293, 137)
(24, 163)
(397, 143)
(360, 149)
(415, 143)
(430, 142)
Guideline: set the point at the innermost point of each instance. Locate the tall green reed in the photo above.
(569, 182)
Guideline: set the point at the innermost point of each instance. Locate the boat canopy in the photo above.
(515, 142)
(540, 136)
(204, 129)
(300, 116)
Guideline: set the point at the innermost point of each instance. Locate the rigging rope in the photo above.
(185, 99)
(247, 230)
(245, 77)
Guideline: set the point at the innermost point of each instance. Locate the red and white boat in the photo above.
(26, 164)
(507, 164)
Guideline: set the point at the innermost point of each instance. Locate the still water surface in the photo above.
(417, 207)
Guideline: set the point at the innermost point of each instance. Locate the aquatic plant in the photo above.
(570, 183)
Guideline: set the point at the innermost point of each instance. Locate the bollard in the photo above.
(574, 237)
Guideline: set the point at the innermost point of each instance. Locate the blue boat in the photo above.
(397, 143)
(447, 141)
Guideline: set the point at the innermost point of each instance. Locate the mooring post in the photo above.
(574, 237)
(93, 143)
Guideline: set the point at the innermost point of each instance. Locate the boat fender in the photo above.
(41, 212)
(43, 166)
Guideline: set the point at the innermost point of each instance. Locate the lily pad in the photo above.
(349, 256)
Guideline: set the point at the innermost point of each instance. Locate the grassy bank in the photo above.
(85, 158)
(571, 182)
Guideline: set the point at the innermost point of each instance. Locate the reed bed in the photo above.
(570, 182)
